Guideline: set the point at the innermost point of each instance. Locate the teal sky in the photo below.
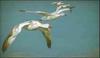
(76, 34)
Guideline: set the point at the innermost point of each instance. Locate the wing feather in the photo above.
(43, 13)
(6, 42)
(46, 33)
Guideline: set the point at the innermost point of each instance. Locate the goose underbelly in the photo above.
(32, 26)
(49, 17)
(52, 17)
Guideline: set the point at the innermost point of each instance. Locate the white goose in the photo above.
(29, 25)
(49, 16)
(61, 5)
(58, 4)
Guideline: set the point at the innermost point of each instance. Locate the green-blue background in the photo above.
(73, 35)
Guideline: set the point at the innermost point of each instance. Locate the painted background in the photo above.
(73, 35)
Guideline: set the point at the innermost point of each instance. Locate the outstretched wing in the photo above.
(46, 33)
(12, 35)
(6, 42)
(26, 11)
(43, 13)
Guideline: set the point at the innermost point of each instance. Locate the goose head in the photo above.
(58, 3)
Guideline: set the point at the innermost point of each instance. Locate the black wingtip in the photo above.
(3, 50)
(5, 46)
(22, 10)
(49, 45)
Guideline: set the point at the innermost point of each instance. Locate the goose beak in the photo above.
(65, 14)
(70, 10)
(71, 7)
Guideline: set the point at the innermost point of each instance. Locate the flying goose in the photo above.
(47, 15)
(29, 25)
(60, 11)
(61, 4)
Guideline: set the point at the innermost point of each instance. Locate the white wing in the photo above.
(12, 35)
(43, 13)
(62, 10)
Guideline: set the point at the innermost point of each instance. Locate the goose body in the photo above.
(29, 25)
